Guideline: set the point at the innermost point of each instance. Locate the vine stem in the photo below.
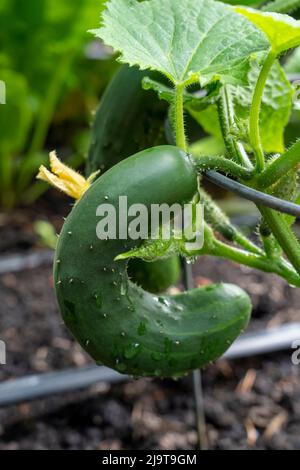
(227, 122)
(221, 223)
(254, 130)
(214, 247)
(284, 235)
(279, 167)
(264, 264)
(179, 118)
(204, 163)
(197, 382)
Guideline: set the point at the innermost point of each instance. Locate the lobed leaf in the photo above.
(187, 41)
(192, 101)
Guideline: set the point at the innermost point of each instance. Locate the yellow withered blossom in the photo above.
(64, 178)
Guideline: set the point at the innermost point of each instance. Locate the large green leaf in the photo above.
(282, 31)
(186, 40)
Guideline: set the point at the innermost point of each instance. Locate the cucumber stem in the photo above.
(279, 266)
(204, 163)
(179, 118)
(221, 223)
(254, 129)
(279, 167)
(284, 235)
(227, 123)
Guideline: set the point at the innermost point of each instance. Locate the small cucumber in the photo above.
(118, 323)
(128, 120)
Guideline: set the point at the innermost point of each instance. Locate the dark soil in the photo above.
(249, 404)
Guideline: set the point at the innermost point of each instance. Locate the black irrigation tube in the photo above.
(45, 385)
(253, 195)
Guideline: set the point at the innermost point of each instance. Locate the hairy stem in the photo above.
(279, 167)
(227, 123)
(221, 224)
(254, 129)
(263, 263)
(179, 118)
(284, 235)
(204, 163)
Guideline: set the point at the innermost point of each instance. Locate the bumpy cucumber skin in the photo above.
(118, 323)
(157, 276)
(128, 120)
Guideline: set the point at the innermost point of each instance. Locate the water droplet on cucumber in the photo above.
(157, 356)
(98, 300)
(124, 288)
(142, 329)
(132, 350)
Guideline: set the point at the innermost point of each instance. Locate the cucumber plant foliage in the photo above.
(221, 64)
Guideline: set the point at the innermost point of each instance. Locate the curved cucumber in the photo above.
(128, 120)
(118, 323)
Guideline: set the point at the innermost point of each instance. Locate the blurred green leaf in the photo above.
(42, 59)
(46, 233)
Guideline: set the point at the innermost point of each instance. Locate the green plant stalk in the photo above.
(284, 235)
(282, 6)
(254, 130)
(216, 248)
(271, 246)
(227, 123)
(179, 118)
(290, 219)
(279, 167)
(204, 163)
(265, 264)
(221, 223)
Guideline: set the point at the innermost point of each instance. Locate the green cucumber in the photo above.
(156, 276)
(118, 323)
(130, 119)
